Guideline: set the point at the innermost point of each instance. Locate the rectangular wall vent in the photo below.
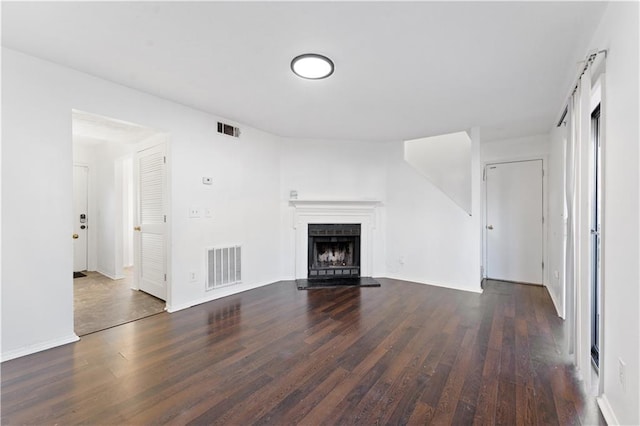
(224, 266)
(227, 129)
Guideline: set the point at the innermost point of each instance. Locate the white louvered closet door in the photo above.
(151, 236)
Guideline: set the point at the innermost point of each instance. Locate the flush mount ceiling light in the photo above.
(312, 66)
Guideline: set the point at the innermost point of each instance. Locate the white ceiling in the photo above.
(403, 70)
(93, 129)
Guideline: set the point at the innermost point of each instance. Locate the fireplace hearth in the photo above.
(334, 251)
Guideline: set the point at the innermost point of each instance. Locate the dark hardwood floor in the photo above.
(402, 353)
(100, 302)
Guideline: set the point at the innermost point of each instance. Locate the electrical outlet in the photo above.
(622, 374)
(193, 276)
(194, 212)
(208, 212)
(556, 275)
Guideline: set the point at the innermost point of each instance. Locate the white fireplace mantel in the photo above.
(363, 212)
(335, 203)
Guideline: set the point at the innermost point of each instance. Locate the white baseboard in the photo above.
(607, 411)
(555, 302)
(449, 286)
(31, 349)
(217, 294)
(113, 277)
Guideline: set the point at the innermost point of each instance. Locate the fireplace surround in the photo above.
(363, 212)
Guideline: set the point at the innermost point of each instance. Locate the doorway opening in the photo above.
(109, 205)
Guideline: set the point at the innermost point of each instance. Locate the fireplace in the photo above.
(334, 251)
(312, 212)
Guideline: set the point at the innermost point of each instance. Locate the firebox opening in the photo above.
(334, 251)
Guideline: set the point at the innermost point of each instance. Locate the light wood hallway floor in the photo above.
(100, 302)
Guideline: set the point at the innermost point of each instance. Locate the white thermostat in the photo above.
(207, 180)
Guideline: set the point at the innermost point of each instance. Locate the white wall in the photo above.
(37, 189)
(556, 218)
(446, 161)
(127, 210)
(514, 149)
(110, 242)
(430, 239)
(320, 169)
(331, 170)
(108, 206)
(37, 171)
(618, 33)
(446, 254)
(243, 199)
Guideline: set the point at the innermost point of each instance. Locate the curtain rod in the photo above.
(591, 57)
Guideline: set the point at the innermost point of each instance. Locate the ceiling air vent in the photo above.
(227, 129)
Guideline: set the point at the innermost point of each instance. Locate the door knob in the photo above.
(75, 236)
(490, 227)
(136, 228)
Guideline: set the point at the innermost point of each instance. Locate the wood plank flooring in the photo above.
(402, 353)
(100, 302)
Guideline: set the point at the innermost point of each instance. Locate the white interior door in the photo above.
(151, 237)
(514, 221)
(80, 218)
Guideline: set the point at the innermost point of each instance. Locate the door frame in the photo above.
(545, 214)
(159, 139)
(595, 223)
(598, 98)
(121, 223)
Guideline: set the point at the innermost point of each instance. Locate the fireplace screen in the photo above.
(334, 250)
(333, 254)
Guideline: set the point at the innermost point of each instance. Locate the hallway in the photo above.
(101, 303)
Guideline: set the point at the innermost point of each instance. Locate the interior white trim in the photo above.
(110, 276)
(556, 305)
(606, 410)
(216, 294)
(363, 212)
(43, 346)
(332, 204)
(450, 286)
(545, 213)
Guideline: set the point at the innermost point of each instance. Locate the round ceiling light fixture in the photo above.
(312, 66)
